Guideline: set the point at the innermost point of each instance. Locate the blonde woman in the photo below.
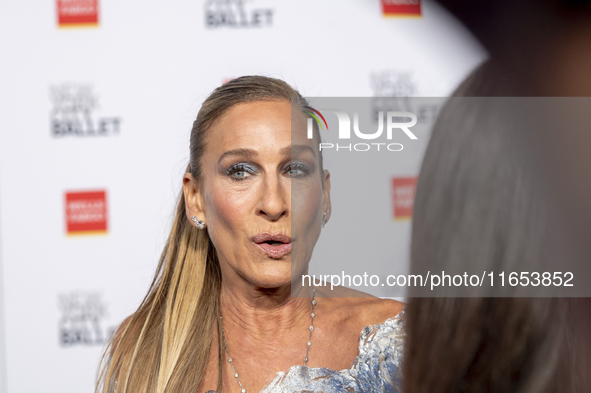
(220, 314)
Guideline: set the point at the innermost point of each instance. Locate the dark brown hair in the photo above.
(480, 205)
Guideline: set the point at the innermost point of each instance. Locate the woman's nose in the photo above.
(274, 203)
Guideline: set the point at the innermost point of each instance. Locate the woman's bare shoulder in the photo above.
(360, 309)
(374, 310)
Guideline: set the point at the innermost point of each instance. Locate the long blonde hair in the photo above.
(165, 345)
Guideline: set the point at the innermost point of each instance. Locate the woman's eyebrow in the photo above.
(286, 151)
(238, 152)
(296, 149)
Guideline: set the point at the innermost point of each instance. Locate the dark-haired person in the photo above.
(495, 195)
(220, 314)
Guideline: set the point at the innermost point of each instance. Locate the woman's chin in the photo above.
(272, 279)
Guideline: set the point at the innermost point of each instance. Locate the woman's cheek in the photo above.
(231, 203)
(305, 203)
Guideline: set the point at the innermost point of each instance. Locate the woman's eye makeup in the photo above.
(241, 171)
(297, 169)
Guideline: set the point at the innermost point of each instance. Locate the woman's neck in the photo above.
(259, 311)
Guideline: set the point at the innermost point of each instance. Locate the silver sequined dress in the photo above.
(376, 369)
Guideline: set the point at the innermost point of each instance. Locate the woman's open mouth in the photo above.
(275, 246)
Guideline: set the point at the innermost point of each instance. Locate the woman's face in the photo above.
(261, 194)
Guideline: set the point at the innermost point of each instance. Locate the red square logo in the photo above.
(86, 212)
(409, 8)
(403, 196)
(74, 13)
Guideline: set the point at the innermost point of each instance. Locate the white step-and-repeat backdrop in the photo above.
(98, 98)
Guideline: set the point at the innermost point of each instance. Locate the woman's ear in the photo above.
(193, 199)
(326, 205)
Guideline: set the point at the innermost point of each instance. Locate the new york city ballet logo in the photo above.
(73, 113)
(393, 83)
(236, 14)
(82, 319)
(399, 89)
(396, 122)
(86, 212)
(77, 13)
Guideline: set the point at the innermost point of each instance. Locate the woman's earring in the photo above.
(198, 223)
(324, 217)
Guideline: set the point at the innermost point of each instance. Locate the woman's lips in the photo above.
(275, 246)
(275, 251)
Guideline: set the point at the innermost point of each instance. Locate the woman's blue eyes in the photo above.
(297, 170)
(240, 172)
